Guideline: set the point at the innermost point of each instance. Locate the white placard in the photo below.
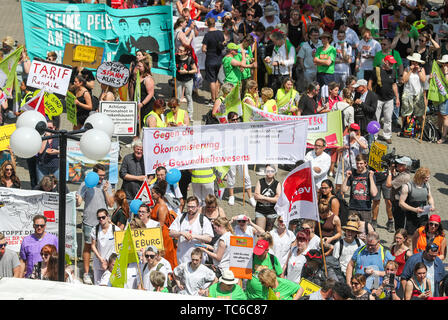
(54, 78)
(123, 114)
(114, 74)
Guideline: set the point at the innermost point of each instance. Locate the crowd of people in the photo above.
(291, 58)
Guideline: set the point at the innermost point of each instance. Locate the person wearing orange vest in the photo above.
(432, 231)
(306, 19)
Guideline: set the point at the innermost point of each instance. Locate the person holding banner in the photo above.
(287, 98)
(83, 101)
(109, 93)
(251, 94)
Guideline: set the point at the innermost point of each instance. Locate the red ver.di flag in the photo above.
(298, 199)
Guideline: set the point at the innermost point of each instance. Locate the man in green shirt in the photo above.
(227, 288)
(232, 63)
(386, 50)
(262, 259)
(325, 59)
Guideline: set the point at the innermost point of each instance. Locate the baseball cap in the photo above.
(241, 217)
(360, 82)
(355, 126)
(435, 218)
(261, 247)
(152, 249)
(232, 46)
(404, 160)
(390, 59)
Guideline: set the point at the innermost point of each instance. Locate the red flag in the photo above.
(36, 103)
(298, 199)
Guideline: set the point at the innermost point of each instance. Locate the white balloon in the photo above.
(95, 144)
(29, 119)
(101, 122)
(25, 142)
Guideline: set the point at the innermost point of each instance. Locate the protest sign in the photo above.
(50, 26)
(141, 238)
(19, 206)
(326, 125)
(5, 135)
(71, 108)
(298, 198)
(53, 106)
(78, 165)
(114, 74)
(52, 77)
(82, 56)
(144, 194)
(377, 151)
(124, 116)
(224, 144)
(308, 287)
(241, 253)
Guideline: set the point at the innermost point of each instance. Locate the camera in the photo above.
(390, 158)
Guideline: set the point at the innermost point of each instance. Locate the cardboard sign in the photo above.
(82, 56)
(53, 106)
(144, 194)
(54, 78)
(142, 238)
(5, 135)
(308, 287)
(377, 151)
(114, 74)
(71, 108)
(241, 253)
(124, 116)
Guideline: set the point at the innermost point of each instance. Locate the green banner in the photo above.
(438, 85)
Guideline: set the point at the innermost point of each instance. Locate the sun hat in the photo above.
(269, 11)
(390, 59)
(228, 277)
(351, 225)
(241, 217)
(444, 59)
(232, 46)
(360, 82)
(261, 247)
(9, 41)
(415, 57)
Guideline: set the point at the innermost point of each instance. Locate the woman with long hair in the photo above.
(121, 215)
(83, 101)
(8, 177)
(212, 211)
(419, 286)
(432, 231)
(330, 225)
(327, 193)
(287, 98)
(109, 93)
(147, 99)
(186, 69)
(292, 269)
(357, 283)
(180, 39)
(219, 107)
(47, 268)
(251, 95)
(400, 250)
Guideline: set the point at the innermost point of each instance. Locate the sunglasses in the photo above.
(45, 255)
(433, 247)
(270, 171)
(355, 283)
(9, 169)
(433, 224)
(102, 217)
(150, 256)
(241, 221)
(234, 119)
(3, 245)
(249, 15)
(39, 226)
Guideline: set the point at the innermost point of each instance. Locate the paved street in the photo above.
(431, 155)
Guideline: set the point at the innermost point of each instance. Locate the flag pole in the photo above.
(424, 120)
(244, 185)
(322, 246)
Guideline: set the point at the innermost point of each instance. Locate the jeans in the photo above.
(386, 108)
(188, 85)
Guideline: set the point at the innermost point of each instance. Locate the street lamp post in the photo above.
(27, 139)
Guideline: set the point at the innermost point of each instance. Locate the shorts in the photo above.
(267, 216)
(86, 231)
(384, 190)
(211, 72)
(443, 108)
(412, 104)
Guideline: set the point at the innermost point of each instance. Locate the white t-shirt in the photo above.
(152, 224)
(268, 24)
(323, 162)
(306, 52)
(105, 279)
(370, 48)
(282, 245)
(314, 243)
(132, 275)
(295, 265)
(105, 244)
(249, 233)
(342, 68)
(146, 274)
(225, 260)
(193, 280)
(184, 247)
(347, 252)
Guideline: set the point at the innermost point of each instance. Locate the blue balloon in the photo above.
(91, 179)
(135, 205)
(173, 176)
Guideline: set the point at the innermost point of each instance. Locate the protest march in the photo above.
(125, 124)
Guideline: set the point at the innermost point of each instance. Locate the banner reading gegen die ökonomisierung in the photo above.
(49, 26)
(224, 144)
(18, 207)
(326, 125)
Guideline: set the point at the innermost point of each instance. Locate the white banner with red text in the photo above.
(224, 144)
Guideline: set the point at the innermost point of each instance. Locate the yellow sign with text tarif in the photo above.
(142, 238)
(308, 287)
(377, 151)
(5, 135)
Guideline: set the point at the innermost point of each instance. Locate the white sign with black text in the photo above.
(123, 114)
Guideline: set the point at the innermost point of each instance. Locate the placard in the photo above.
(142, 238)
(84, 53)
(5, 135)
(54, 78)
(308, 287)
(71, 108)
(124, 116)
(53, 106)
(241, 255)
(114, 74)
(377, 151)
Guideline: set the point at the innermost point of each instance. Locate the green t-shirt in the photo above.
(246, 74)
(379, 56)
(232, 74)
(266, 263)
(413, 33)
(285, 291)
(324, 54)
(237, 293)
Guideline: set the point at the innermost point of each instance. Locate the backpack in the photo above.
(201, 219)
(159, 266)
(343, 208)
(97, 229)
(431, 133)
(341, 245)
(208, 118)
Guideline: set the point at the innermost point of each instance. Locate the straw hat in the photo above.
(9, 41)
(444, 59)
(228, 277)
(351, 225)
(415, 57)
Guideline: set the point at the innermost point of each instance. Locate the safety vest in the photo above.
(305, 23)
(251, 98)
(204, 175)
(222, 116)
(160, 122)
(422, 241)
(270, 106)
(365, 246)
(179, 117)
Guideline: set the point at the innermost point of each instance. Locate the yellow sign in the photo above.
(308, 287)
(377, 151)
(142, 238)
(53, 106)
(84, 54)
(5, 135)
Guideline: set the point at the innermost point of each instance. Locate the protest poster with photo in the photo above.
(78, 165)
(19, 206)
(224, 144)
(124, 116)
(52, 77)
(50, 26)
(326, 125)
(241, 253)
(114, 74)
